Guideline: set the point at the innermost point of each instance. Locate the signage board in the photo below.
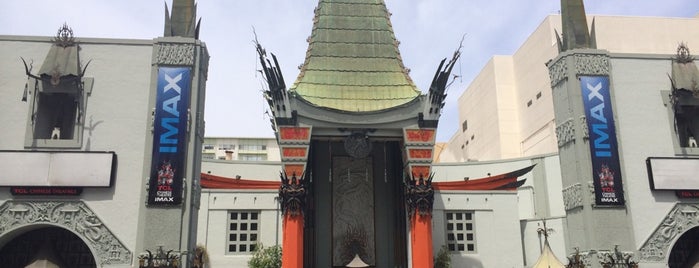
(604, 153)
(666, 173)
(169, 136)
(56, 169)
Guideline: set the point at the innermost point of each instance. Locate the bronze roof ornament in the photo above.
(683, 55)
(64, 36)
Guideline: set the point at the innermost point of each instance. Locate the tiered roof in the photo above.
(352, 62)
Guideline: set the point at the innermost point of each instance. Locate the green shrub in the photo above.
(269, 257)
(443, 258)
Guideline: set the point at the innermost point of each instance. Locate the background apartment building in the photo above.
(507, 110)
(243, 149)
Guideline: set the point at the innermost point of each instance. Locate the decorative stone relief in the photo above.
(558, 71)
(292, 194)
(72, 215)
(591, 64)
(204, 68)
(175, 54)
(580, 259)
(565, 132)
(419, 196)
(591, 188)
(616, 258)
(583, 127)
(680, 219)
(572, 196)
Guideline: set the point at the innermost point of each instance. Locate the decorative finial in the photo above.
(182, 22)
(64, 36)
(683, 55)
(575, 33)
(545, 231)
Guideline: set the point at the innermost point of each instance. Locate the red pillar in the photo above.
(421, 241)
(292, 241)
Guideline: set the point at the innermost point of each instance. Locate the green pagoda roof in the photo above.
(352, 62)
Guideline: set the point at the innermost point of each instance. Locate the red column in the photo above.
(421, 241)
(292, 241)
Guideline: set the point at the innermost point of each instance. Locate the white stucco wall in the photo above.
(496, 227)
(251, 170)
(498, 214)
(643, 130)
(213, 222)
(121, 70)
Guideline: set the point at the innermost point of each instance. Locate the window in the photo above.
(529, 103)
(538, 95)
(684, 143)
(682, 103)
(243, 231)
(56, 114)
(57, 96)
(252, 157)
(208, 147)
(226, 147)
(461, 235)
(208, 156)
(252, 147)
(464, 126)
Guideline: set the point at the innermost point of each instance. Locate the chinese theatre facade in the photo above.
(356, 138)
(99, 136)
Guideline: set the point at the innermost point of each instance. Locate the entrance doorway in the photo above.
(56, 244)
(685, 252)
(355, 207)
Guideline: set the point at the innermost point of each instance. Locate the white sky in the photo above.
(428, 30)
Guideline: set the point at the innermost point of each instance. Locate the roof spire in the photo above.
(575, 32)
(182, 21)
(353, 63)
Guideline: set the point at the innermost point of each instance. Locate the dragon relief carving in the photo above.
(292, 195)
(419, 195)
(71, 215)
(680, 219)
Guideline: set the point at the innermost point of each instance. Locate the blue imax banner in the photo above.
(169, 136)
(603, 144)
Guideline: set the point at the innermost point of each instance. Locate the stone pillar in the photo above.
(421, 240)
(418, 153)
(294, 143)
(593, 193)
(171, 193)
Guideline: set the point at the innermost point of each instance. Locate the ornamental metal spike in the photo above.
(574, 23)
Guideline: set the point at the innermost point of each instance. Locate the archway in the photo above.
(64, 248)
(685, 252)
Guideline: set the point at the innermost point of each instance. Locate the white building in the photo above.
(509, 122)
(507, 111)
(643, 143)
(239, 148)
(492, 215)
(99, 159)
